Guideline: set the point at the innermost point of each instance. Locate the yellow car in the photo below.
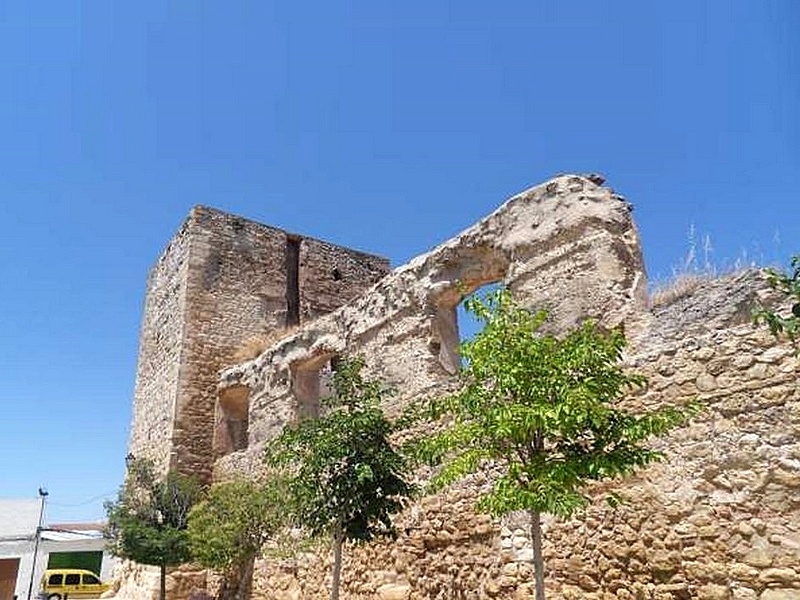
(60, 584)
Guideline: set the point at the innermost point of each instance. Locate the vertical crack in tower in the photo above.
(292, 280)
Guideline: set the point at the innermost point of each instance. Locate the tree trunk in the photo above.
(538, 559)
(244, 584)
(238, 581)
(338, 538)
(163, 583)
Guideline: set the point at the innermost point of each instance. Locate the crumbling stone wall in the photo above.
(719, 519)
(220, 282)
(405, 326)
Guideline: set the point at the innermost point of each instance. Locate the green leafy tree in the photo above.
(788, 284)
(147, 522)
(229, 528)
(346, 478)
(543, 411)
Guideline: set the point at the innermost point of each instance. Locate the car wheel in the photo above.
(54, 597)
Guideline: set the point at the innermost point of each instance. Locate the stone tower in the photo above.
(222, 281)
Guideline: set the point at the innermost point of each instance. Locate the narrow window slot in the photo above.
(292, 281)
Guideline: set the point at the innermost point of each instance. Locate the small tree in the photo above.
(147, 522)
(543, 411)
(229, 528)
(788, 284)
(347, 480)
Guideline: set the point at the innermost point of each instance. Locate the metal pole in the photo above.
(37, 537)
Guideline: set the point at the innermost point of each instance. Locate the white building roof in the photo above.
(65, 535)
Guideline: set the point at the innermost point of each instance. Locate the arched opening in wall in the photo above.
(468, 269)
(453, 324)
(468, 324)
(312, 382)
(232, 420)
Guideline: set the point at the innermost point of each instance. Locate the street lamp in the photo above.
(37, 537)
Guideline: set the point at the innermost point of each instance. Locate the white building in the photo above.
(59, 546)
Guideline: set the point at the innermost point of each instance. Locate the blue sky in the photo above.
(383, 126)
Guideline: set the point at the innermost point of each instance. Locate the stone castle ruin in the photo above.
(718, 519)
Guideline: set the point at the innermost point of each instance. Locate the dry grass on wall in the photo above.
(694, 269)
(679, 286)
